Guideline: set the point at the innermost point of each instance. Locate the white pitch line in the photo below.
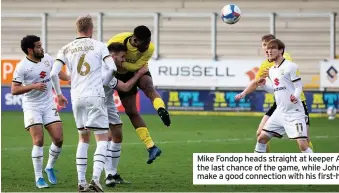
(173, 142)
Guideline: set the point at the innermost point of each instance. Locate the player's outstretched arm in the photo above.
(267, 87)
(262, 73)
(125, 87)
(250, 88)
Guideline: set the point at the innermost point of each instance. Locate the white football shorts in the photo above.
(90, 113)
(293, 125)
(112, 111)
(41, 116)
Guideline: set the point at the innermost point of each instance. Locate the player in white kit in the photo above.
(118, 52)
(289, 117)
(32, 80)
(83, 57)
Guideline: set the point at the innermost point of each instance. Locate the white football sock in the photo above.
(109, 159)
(260, 148)
(54, 152)
(37, 159)
(81, 160)
(308, 150)
(99, 160)
(116, 148)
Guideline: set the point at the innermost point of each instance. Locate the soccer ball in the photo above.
(230, 14)
(331, 111)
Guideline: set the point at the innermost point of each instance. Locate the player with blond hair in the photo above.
(84, 57)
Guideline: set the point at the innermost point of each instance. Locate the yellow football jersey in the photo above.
(134, 59)
(265, 65)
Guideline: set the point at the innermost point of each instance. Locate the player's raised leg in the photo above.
(37, 135)
(129, 103)
(272, 128)
(260, 128)
(264, 120)
(54, 128)
(146, 85)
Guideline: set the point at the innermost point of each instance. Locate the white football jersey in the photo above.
(84, 57)
(28, 72)
(282, 78)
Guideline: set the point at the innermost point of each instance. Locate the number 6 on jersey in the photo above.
(83, 68)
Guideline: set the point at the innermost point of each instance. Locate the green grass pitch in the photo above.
(172, 171)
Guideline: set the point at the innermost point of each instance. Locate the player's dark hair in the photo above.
(267, 37)
(142, 33)
(117, 47)
(28, 42)
(276, 43)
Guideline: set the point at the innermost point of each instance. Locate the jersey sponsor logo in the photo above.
(276, 81)
(47, 80)
(279, 89)
(42, 74)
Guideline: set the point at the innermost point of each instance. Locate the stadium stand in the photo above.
(307, 39)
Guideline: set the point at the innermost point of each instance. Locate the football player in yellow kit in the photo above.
(139, 51)
(265, 65)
